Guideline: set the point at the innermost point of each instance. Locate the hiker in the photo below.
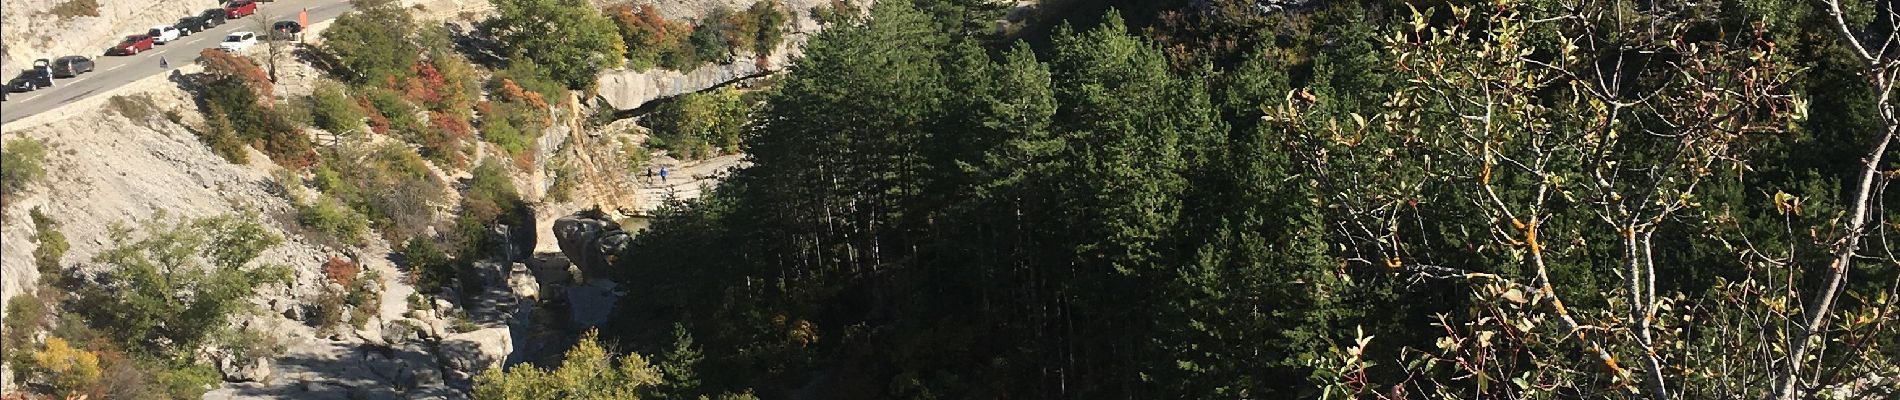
(662, 174)
(649, 175)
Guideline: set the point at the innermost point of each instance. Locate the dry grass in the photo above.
(139, 109)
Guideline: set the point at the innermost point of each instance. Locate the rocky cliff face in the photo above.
(627, 89)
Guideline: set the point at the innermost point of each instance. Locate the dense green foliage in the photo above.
(692, 124)
(373, 42)
(168, 290)
(164, 297)
(22, 163)
(1358, 200)
(571, 38)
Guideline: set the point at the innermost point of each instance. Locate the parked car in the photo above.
(285, 30)
(237, 41)
(41, 76)
(189, 25)
(163, 34)
(240, 8)
(27, 81)
(213, 17)
(71, 66)
(131, 45)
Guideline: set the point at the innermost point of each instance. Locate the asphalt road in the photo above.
(114, 71)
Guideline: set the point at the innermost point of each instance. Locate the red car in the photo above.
(239, 9)
(131, 45)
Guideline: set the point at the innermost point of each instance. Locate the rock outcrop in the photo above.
(627, 89)
(469, 353)
(244, 369)
(591, 244)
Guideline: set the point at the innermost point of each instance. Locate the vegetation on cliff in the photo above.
(1508, 199)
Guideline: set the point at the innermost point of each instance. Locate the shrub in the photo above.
(405, 191)
(461, 83)
(417, 302)
(709, 41)
(355, 303)
(836, 12)
(636, 157)
(447, 138)
(329, 311)
(429, 268)
(181, 381)
(221, 136)
(247, 343)
(75, 8)
(22, 163)
(286, 143)
(502, 126)
(333, 220)
(651, 38)
(527, 81)
(332, 110)
(329, 181)
(52, 244)
(766, 21)
(424, 85)
(223, 65)
(25, 313)
(278, 134)
(462, 324)
(564, 182)
(490, 197)
(365, 297)
(585, 370)
(69, 370)
(238, 103)
(399, 113)
(341, 271)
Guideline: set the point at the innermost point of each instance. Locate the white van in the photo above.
(163, 34)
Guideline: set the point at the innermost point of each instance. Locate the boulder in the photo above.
(591, 244)
(289, 309)
(401, 331)
(522, 282)
(244, 369)
(476, 351)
